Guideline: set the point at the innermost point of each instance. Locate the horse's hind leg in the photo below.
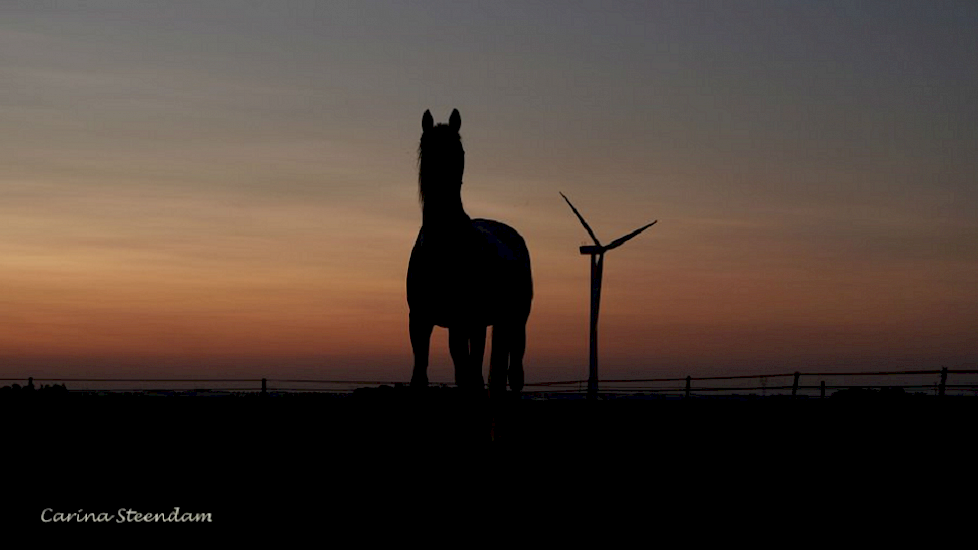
(458, 346)
(420, 343)
(517, 347)
(468, 347)
(498, 361)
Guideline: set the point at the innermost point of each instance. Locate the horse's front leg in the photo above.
(420, 342)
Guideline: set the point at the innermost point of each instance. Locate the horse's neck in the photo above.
(445, 217)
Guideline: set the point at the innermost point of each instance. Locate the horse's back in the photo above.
(511, 272)
(509, 245)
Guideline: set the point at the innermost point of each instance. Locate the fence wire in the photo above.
(639, 386)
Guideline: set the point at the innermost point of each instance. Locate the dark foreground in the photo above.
(312, 460)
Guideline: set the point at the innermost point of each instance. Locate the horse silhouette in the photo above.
(464, 274)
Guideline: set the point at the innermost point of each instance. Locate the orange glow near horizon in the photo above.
(305, 283)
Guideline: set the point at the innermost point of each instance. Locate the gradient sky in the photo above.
(228, 189)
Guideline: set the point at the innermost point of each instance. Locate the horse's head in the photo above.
(441, 159)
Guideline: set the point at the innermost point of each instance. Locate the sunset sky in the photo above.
(229, 189)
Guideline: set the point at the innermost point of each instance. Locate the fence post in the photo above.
(264, 387)
(940, 392)
(688, 380)
(823, 389)
(794, 387)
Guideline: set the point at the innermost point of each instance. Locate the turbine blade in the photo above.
(584, 223)
(618, 242)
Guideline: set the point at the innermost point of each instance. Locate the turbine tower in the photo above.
(597, 266)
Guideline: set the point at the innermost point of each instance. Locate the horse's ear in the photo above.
(426, 121)
(455, 121)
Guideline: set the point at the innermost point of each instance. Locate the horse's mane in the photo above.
(441, 158)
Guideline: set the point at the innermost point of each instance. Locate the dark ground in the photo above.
(301, 460)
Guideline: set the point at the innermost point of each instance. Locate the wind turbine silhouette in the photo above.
(597, 266)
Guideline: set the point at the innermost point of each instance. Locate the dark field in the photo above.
(308, 458)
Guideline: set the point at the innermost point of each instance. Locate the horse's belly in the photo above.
(448, 305)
